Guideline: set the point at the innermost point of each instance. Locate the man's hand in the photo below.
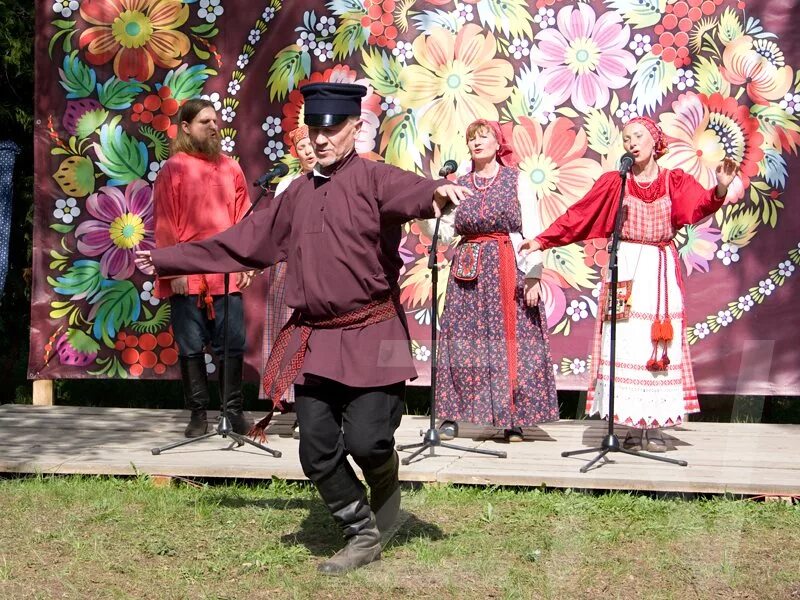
(244, 279)
(529, 246)
(447, 193)
(533, 292)
(180, 285)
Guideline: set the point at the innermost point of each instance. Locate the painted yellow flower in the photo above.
(554, 163)
(136, 34)
(457, 80)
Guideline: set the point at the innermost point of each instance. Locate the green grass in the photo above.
(75, 537)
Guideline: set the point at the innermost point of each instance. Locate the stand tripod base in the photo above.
(433, 440)
(224, 430)
(611, 443)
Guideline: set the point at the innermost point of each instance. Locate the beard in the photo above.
(211, 147)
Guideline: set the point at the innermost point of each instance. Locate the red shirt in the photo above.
(593, 215)
(195, 199)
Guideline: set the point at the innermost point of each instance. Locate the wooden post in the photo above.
(43, 392)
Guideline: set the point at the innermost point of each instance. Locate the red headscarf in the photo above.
(298, 134)
(659, 141)
(505, 154)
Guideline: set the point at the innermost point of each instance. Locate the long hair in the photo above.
(189, 111)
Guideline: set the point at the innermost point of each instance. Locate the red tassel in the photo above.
(655, 331)
(665, 359)
(666, 330)
(652, 365)
(258, 431)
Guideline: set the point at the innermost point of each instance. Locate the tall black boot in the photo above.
(346, 498)
(195, 394)
(239, 423)
(384, 492)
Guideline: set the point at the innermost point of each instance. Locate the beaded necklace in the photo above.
(648, 192)
(484, 190)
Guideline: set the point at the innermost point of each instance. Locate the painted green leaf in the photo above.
(78, 79)
(90, 122)
(400, 143)
(382, 70)
(286, 72)
(154, 323)
(652, 80)
(349, 36)
(570, 263)
(121, 157)
(83, 279)
(116, 94)
(512, 17)
(116, 305)
(159, 141)
(62, 228)
(187, 82)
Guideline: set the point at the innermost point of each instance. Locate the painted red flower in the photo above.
(135, 34)
(370, 108)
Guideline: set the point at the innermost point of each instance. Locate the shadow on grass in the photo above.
(318, 532)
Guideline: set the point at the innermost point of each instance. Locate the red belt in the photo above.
(661, 331)
(508, 306)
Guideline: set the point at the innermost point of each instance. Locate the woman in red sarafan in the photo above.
(654, 384)
(493, 363)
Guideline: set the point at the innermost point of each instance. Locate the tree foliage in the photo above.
(17, 19)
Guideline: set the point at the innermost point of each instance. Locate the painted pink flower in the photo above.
(584, 57)
(553, 297)
(700, 246)
(123, 224)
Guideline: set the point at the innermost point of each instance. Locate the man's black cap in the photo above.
(328, 104)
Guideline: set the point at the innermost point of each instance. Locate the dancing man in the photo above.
(346, 347)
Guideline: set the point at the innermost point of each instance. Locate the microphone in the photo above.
(449, 166)
(279, 170)
(625, 163)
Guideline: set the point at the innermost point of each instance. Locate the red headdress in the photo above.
(505, 154)
(298, 134)
(659, 141)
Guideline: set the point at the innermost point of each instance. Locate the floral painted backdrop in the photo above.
(721, 77)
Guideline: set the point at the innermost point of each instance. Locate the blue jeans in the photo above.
(194, 331)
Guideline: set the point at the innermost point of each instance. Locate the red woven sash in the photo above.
(508, 286)
(276, 382)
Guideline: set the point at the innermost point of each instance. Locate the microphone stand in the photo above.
(224, 428)
(610, 442)
(432, 439)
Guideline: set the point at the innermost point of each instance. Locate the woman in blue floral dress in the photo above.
(493, 365)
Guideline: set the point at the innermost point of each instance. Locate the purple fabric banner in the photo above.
(720, 76)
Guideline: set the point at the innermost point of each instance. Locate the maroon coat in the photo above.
(340, 238)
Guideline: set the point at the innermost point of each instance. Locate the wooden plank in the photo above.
(43, 392)
(742, 458)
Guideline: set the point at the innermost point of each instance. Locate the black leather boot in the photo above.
(384, 492)
(239, 423)
(195, 394)
(347, 500)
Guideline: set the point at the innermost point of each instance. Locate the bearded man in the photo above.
(198, 193)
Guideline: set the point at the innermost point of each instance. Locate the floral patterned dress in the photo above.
(474, 374)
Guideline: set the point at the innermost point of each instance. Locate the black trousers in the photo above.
(336, 420)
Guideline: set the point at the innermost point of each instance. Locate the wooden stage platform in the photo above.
(738, 458)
